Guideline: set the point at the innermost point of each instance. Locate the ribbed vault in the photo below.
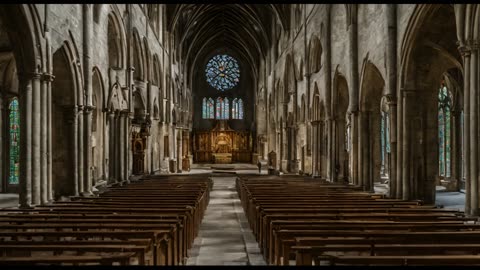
(245, 29)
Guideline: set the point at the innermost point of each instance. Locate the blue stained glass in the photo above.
(240, 109)
(226, 109)
(14, 118)
(222, 72)
(204, 108)
(218, 113)
(207, 108)
(222, 108)
(237, 108)
(444, 131)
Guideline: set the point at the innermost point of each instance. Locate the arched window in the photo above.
(444, 130)
(237, 108)
(223, 108)
(384, 142)
(207, 108)
(14, 129)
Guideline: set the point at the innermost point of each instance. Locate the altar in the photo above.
(222, 145)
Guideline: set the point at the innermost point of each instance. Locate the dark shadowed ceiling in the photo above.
(247, 29)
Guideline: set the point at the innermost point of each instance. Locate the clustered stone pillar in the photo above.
(45, 132)
(35, 146)
(391, 60)
(111, 146)
(354, 148)
(35, 185)
(392, 105)
(87, 112)
(121, 146)
(314, 149)
(353, 96)
(474, 129)
(25, 181)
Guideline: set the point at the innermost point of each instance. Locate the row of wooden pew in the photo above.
(306, 221)
(148, 222)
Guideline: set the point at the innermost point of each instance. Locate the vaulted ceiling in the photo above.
(247, 29)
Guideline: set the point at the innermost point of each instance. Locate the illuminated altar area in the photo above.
(222, 145)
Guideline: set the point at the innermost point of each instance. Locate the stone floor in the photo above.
(225, 237)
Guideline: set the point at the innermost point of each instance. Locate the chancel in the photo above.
(239, 134)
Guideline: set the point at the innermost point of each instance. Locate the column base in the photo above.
(86, 194)
(26, 206)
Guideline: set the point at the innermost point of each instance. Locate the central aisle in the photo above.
(225, 237)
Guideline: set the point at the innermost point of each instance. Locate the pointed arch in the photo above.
(147, 61)
(137, 55)
(315, 55)
(116, 42)
(155, 72)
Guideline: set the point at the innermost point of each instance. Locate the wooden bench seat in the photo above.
(305, 254)
(315, 218)
(439, 260)
(166, 213)
(121, 259)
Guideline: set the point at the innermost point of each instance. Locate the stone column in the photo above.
(116, 143)
(391, 60)
(44, 181)
(80, 149)
(368, 148)
(87, 71)
(121, 147)
(474, 131)
(329, 151)
(35, 150)
(87, 151)
(314, 148)
(393, 150)
(128, 155)
(454, 158)
(25, 180)
(179, 150)
(360, 150)
(399, 174)
(49, 141)
(354, 154)
(466, 126)
(320, 148)
(72, 119)
(406, 142)
(111, 146)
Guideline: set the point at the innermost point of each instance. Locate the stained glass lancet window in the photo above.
(208, 108)
(226, 109)
(237, 108)
(444, 130)
(222, 72)
(222, 108)
(14, 129)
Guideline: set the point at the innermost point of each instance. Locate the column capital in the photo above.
(354, 113)
(125, 113)
(88, 109)
(464, 50)
(47, 77)
(24, 76)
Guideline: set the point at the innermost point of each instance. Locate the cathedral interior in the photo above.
(240, 134)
